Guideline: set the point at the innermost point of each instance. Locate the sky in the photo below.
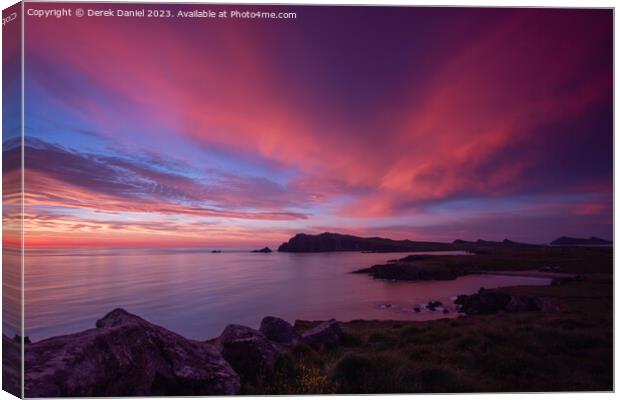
(418, 123)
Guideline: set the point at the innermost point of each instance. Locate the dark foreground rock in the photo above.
(328, 334)
(279, 331)
(248, 351)
(126, 356)
(491, 302)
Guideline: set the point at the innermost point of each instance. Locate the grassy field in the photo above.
(584, 260)
(515, 352)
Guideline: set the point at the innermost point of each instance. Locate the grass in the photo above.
(583, 260)
(570, 350)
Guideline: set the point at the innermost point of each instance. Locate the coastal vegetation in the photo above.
(567, 350)
(566, 259)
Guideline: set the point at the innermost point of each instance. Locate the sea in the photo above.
(197, 293)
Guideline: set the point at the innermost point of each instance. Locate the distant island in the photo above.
(327, 241)
(263, 250)
(324, 242)
(569, 241)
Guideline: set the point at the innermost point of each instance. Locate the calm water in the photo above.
(196, 293)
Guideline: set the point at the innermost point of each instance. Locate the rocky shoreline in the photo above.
(536, 263)
(411, 268)
(125, 355)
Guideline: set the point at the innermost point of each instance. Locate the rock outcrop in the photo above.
(483, 302)
(328, 334)
(263, 250)
(491, 302)
(433, 305)
(248, 351)
(126, 356)
(279, 331)
(408, 270)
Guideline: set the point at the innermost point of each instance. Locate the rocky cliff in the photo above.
(324, 242)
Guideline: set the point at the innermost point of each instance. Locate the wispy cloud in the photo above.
(58, 177)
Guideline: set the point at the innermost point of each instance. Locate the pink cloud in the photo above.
(489, 121)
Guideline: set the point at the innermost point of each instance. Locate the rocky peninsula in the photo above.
(327, 241)
(413, 268)
(555, 262)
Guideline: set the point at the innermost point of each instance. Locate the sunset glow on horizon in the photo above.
(407, 123)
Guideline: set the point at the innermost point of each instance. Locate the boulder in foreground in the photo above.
(278, 330)
(249, 352)
(126, 356)
(328, 334)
